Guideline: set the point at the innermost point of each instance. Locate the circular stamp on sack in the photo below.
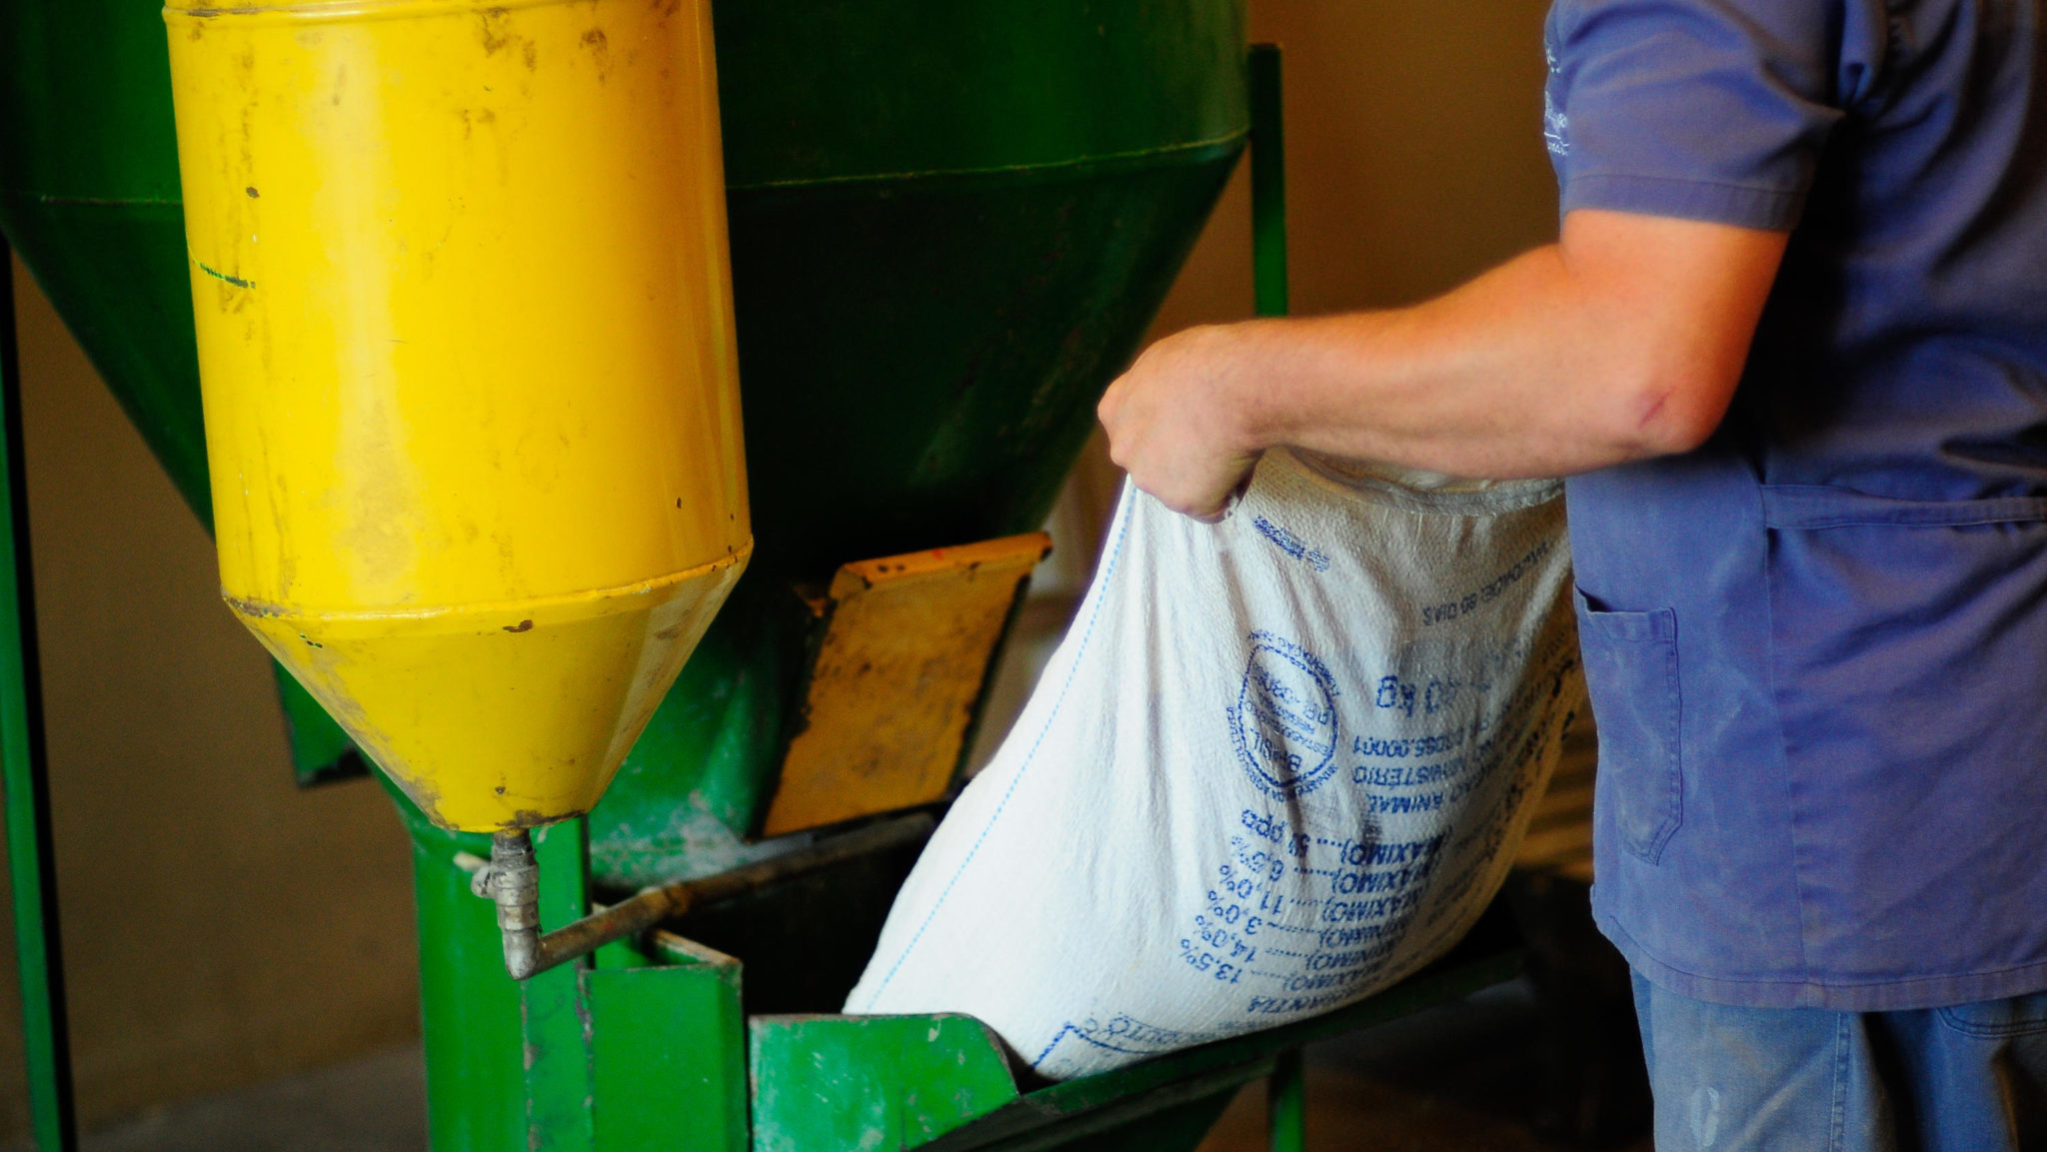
(1284, 723)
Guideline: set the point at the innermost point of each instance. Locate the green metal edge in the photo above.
(871, 87)
(1286, 1104)
(1171, 1128)
(1243, 1058)
(470, 1011)
(557, 1028)
(31, 851)
(667, 1058)
(1268, 183)
(321, 753)
(1172, 1117)
(876, 1083)
(941, 1083)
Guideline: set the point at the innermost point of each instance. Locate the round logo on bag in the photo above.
(1284, 724)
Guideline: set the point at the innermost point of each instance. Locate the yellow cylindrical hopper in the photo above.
(466, 347)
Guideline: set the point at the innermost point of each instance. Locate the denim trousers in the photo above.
(1964, 1078)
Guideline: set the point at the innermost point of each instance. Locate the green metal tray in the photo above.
(885, 1083)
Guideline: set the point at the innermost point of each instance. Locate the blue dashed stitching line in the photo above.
(1115, 554)
(1056, 1038)
(1068, 1029)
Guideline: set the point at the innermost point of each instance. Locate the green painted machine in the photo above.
(950, 226)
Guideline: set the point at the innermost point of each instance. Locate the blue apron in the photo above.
(1822, 716)
(1817, 647)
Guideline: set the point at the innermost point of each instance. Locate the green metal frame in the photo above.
(1268, 183)
(644, 1046)
(648, 1046)
(31, 852)
(891, 1083)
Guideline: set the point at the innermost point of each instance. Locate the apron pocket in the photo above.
(1998, 1019)
(1631, 665)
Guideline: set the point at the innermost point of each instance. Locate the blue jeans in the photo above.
(1967, 1078)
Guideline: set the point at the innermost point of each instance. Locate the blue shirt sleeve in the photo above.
(1711, 110)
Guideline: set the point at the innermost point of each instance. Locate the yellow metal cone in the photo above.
(495, 717)
(465, 334)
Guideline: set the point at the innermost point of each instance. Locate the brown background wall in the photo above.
(223, 927)
(1414, 155)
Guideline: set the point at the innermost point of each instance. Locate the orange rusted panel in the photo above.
(908, 643)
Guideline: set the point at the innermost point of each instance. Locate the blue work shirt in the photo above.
(1818, 645)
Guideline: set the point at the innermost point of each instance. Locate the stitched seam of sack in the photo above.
(1497, 498)
(1115, 555)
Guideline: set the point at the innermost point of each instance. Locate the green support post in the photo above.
(469, 1008)
(1268, 184)
(666, 1054)
(1286, 1100)
(884, 1083)
(627, 1053)
(1287, 1103)
(633, 1051)
(556, 1022)
(31, 857)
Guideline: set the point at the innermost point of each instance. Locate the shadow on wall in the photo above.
(220, 926)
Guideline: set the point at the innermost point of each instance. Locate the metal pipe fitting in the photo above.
(512, 881)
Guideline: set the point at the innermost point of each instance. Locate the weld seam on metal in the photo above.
(326, 11)
(267, 610)
(96, 201)
(1106, 159)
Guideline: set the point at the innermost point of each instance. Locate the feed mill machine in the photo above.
(475, 377)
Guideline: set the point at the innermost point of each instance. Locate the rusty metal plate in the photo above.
(906, 649)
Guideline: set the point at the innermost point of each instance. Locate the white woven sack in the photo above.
(1276, 764)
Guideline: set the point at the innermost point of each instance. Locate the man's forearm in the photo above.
(1624, 341)
(1521, 372)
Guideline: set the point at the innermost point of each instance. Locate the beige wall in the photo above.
(222, 926)
(1414, 155)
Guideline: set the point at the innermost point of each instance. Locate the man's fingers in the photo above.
(1208, 496)
(1164, 433)
(1105, 408)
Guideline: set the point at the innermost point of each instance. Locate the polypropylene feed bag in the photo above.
(1276, 764)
